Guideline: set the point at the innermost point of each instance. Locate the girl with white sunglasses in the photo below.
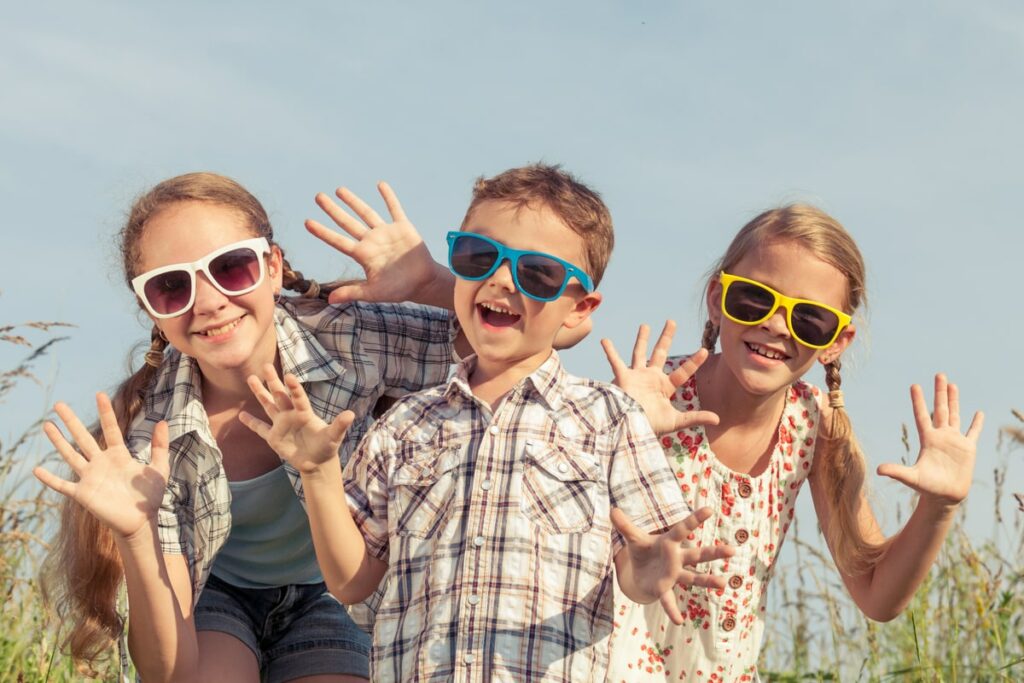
(744, 432)
(199, 517)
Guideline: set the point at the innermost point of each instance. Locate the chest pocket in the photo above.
(424, 488)
(559, 489)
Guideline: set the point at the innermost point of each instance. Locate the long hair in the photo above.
(838, 457)
(82, 572)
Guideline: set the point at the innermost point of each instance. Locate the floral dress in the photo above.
(720, 637)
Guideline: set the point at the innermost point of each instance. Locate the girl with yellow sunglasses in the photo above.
(780, 300)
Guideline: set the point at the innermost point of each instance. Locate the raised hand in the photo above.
(396, 261)
(118, 490)
(945, 463)
(297, 434)
(645, 380)
(657, 562)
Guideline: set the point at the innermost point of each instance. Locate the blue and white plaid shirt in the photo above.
(496, 528)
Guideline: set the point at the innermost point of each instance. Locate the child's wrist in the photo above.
(938, 507)
(319, 471)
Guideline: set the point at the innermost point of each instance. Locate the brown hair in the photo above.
(839, 459)
(578, 206)
(83, 572)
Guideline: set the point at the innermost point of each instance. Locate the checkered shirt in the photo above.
(496, 525)
(346, 357)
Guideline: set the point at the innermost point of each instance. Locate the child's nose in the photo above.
(776, 323)
(502, 277)
(209, 299)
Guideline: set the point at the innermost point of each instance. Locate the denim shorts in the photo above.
(294, 631)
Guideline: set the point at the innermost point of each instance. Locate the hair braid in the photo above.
(710, 336)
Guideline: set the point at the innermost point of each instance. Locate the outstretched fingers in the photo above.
(624, 525)
(682, 531)
(371, 218)
(263, 396)
(61, 486)
(643, 335)
(391, 201)
(78, 431)
(281, 395)
(333, 238)
(688, 368)
(108, 421)
(75, 460)
(661, 347)
(614, 359)
(340, 424)
(296, 393)
(940, 415)
(671, 607)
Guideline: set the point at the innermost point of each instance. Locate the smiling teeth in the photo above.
(214, 331)
(497, 309)
(766, 352)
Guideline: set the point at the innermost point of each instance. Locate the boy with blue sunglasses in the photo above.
(487, 505)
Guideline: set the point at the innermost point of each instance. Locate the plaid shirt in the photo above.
(345, 356)
(496, 526)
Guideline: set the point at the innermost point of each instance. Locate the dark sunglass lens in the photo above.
(540, 276)
(748, 302)
(169, 292)
(472, 257)
(814, 324)
(237, 270)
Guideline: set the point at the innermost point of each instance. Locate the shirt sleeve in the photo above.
(366, 489)
(414, 344)
(641, 482)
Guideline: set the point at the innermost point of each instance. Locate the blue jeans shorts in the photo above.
(294, 631)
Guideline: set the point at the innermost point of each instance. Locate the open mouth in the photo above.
(766, 352)
(496, 316)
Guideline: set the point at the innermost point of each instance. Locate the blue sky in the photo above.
(903, 121)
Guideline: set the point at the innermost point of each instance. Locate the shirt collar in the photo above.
(300, 352)
(547, 381)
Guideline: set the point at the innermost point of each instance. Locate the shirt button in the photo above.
(469, 658)
(478, 541)
(728, 624)
(563, 468)
(741, 536)
(745, 489)
(735, 581)
(493, 429)
(473, 599)
(530, 447)
(486, 484)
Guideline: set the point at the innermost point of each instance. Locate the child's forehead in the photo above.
(529, 226)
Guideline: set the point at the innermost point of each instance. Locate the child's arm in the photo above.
(646, 382)
(941, 476)
(649, 565)
(125, 495)
(311, 445)
(397, 262)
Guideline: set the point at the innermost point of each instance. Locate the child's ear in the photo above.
(584, 306)
(713, 295)
(275, 267)
(844, 339)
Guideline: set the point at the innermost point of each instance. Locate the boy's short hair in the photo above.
(578, 206)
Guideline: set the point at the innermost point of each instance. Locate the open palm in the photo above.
(394, 257)
(295, 432)
(117, 489)
(945, 463)
(646, 382)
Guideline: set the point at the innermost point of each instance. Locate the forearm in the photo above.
(161, 638)
(350, 572)
(889, 588)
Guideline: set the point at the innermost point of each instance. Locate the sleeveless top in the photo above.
(720, 637)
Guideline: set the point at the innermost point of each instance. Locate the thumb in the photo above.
(693, 418)
(907, 476)
(160, 459)
(354, 292)
(340, 424)
(629, 531)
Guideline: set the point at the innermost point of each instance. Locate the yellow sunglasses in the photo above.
(749, 302)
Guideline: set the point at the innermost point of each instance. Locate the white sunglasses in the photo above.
(234, 269)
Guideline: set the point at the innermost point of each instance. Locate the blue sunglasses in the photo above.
(540, 276)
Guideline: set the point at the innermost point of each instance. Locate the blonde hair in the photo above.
(578, 206)
(839, 459)
(82, 572)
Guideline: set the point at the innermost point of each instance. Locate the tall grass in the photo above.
(28, 639)
(965, 623)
